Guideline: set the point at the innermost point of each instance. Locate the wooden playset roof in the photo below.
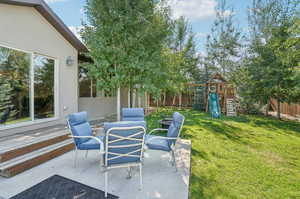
(215, 77)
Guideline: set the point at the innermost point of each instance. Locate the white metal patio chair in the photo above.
(167, 143)
(124, 144)
(82, 133)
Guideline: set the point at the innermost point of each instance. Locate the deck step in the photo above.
(22, 145)
(22, 163)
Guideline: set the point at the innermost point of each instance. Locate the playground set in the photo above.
(215, 96)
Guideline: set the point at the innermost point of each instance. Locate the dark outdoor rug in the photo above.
(58, 187)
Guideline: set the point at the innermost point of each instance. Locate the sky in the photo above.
(200, 13)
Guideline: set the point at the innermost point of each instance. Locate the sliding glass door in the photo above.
(27, 87)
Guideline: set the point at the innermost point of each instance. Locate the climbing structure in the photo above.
(226, 94)
(198, 99)
(223, 93)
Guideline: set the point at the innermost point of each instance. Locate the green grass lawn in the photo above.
(241, 157)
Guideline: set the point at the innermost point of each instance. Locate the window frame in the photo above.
(32, 121)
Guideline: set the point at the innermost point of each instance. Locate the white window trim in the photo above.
(31, 92)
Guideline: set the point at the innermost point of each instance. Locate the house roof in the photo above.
(52, 18)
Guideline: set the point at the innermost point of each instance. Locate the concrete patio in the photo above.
(159, 177)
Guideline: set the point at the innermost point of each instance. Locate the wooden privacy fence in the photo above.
(170, 100)
(285, 108)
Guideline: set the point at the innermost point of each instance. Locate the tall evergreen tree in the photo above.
(223, 44)
(273, 59)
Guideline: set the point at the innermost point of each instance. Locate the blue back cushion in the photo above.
(78, 118)
(109, 125)
(133, 114)
(80, 126)
(124, 150)
(174, 128)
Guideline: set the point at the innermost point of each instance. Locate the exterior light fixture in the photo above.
(70, 61)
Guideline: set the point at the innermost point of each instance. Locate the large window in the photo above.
(27, 85)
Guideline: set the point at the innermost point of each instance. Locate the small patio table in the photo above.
(165, 123)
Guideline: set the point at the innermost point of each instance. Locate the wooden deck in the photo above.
(28, 142)
(32, 133)
(22, 151)
(25, 150)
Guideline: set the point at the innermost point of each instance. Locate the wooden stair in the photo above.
(22, 153)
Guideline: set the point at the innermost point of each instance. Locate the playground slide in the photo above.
(214, 106)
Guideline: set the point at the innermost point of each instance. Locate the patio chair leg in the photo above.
(102, 163)
(174, 160)
(141, 177)
(129, 173)
(102, 170)
(143, 155)
(106, 183)
(75, 158)
(86, 153)
(171, 158)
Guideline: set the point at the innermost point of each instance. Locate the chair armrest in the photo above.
(161, 137)
(166, 138)
(91, 137)
(159, 129)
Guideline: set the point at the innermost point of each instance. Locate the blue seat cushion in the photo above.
(157, 143)
(91, 144)
(133, 114)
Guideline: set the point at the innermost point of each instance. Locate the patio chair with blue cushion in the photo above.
(167, 143)
(82, 133)
(133, 114)
(124, 144)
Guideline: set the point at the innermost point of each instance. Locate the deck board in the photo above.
(26, 138)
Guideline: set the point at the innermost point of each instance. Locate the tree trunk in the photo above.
(119, 104)
(131, 93)
(165, 96)
(267, 108)
(139, 100)
(128, 98)
(174, 98)
(180, 100)
(278, 109)
(133, 98)
(146, 100)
